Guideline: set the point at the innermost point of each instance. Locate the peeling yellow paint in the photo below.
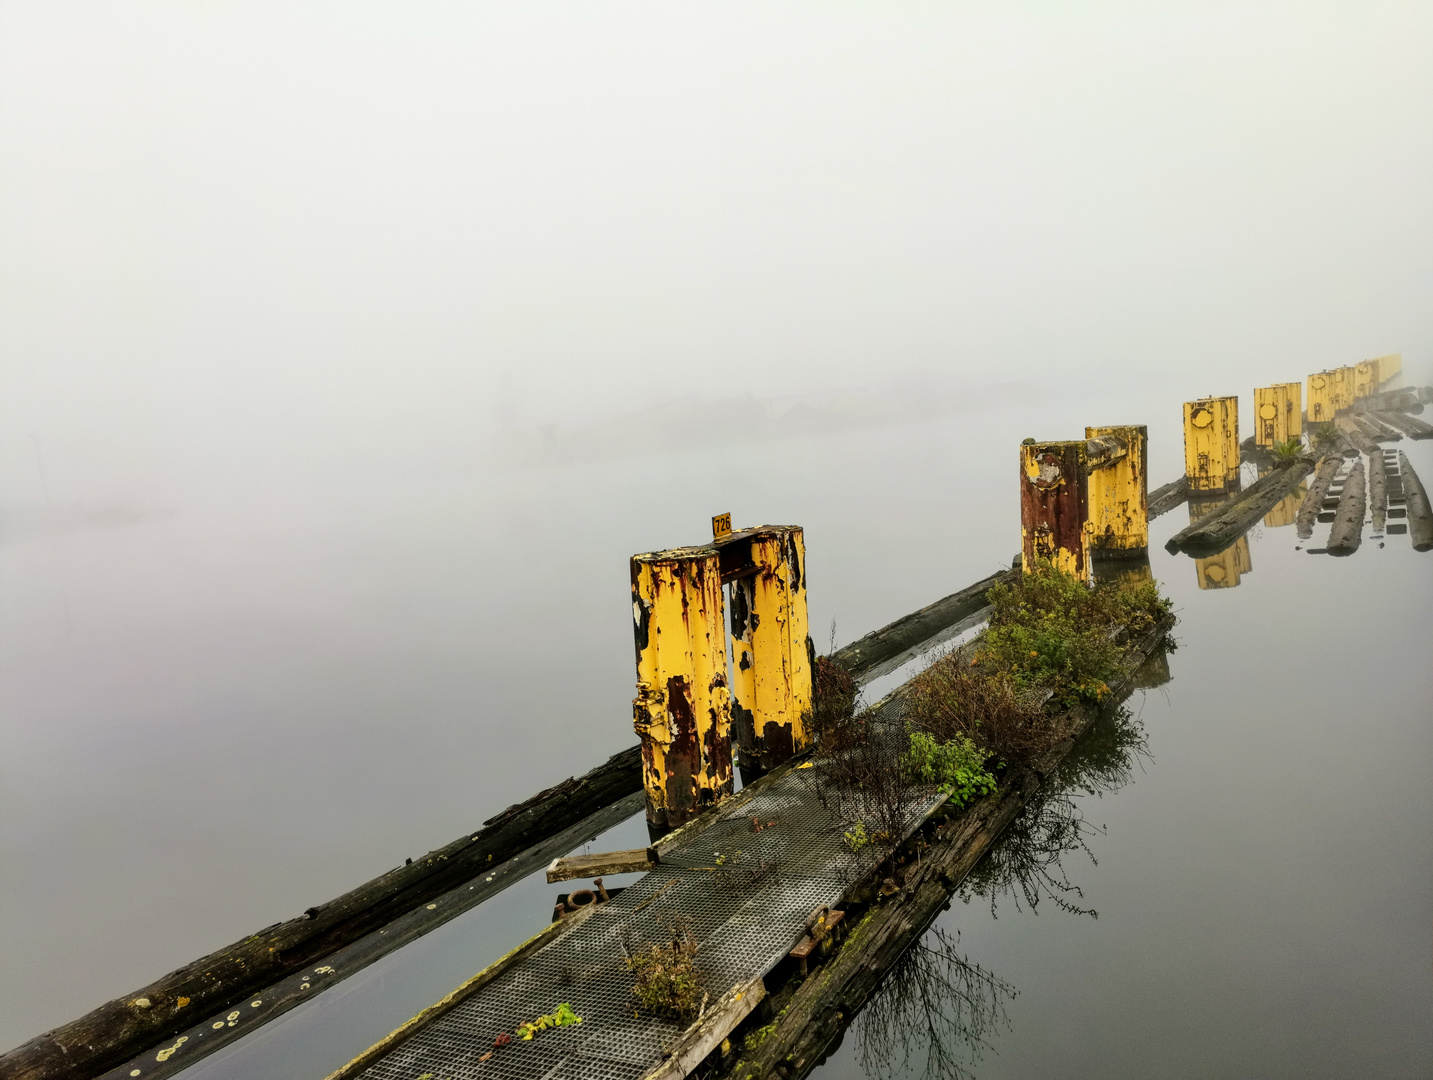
(1277, 411)
(1330, 391)
(169, 1051)
(771, 666)
(1211, 444)
(682, 711)
(1119, 494)
(1388, 366)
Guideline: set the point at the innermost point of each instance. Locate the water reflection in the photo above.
(936, 1005)
(936, 1013)
(1286, 510)
(1224, 570)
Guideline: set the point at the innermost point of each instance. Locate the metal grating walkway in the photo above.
(744, 922)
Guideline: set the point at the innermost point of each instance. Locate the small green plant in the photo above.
(562, 1016)
(667, 980)
(1285, 453)
(856, 838)
(958, 766)
(1324, 435)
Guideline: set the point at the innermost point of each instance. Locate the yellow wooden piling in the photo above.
(1277, 411)
(682, 711)
(1388, 366)
(1119, 495)
(1365, 379)
(1211, 444)
(770, 643)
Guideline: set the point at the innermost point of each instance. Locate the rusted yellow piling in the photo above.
(1211, 444)
(1063, 508)
(1119, 495)
(770, 642)
(682, 711)
(1277, 411)
(1330, 391)
(1365, 379)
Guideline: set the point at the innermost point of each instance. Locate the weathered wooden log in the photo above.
(1377, 491)
(1313, 503)
(1410, 426)
(639, 860)
(1217, 530)
(1166, 497)
(1380, 431)
(1405, 397)
(891, 641)
(1415, 496)
(1355, 434)
(826, 1002)
(1347, 531)
(126, 1026)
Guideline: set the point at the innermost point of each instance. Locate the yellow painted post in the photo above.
(1211, 444)
(1119, 495)
(1365, 379)
(682, 711)
(1054, 506)
(1342, 387)
(1388, 366)
(1321, 398)
(1277, 411)
(770, 643)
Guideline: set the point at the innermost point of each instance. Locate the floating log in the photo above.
(879, 647)
(1166, 498)
(1313, 502)
(1410, 426)
(826, 1001)
(1404, 398)
(1355, 434)
(1380, 431)
(126, 1026)
(1217, 530)
(1347, 531)
(638, 861)
(1377, 491)
(1420, 517)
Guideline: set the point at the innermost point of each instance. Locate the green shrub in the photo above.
(667, 981)
(957, 766)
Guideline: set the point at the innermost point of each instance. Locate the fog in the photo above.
(348, 350)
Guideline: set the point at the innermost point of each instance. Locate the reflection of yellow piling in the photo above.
(1220, 571)
(1286, 510)
(1135, 571)
(1388, 366)
(1211, 444)
(683, 708)
(1119, 495)
(1224, 570)
(771, 673)
(1276, 413)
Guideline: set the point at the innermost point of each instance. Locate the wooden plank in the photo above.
(1347, 531)
(1420, 517)
(708, 1032)
(638, 860)
(1166, 497)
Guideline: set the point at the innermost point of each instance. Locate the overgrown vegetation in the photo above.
(1324, 436)
(1285, 453)
(667, 980)
(1053, 642)
(562, 1016)
(956, 767)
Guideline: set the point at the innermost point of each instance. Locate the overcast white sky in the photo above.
(251, 230)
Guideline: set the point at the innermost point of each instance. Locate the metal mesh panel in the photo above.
(745, 914)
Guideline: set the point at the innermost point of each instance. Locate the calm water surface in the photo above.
(221, 710)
